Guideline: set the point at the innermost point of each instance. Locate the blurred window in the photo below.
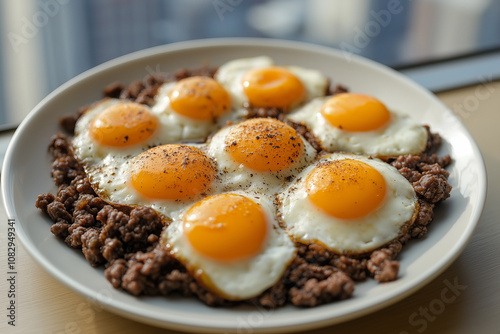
(47, 42)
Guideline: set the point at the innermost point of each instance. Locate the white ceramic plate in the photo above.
(26, 173)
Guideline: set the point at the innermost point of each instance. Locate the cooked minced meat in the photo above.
(125, 240)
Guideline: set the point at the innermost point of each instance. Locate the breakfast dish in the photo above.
(361, 124)
(247, 183)
(27, 166)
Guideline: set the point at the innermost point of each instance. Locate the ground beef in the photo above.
(113, 90)
(204, 71)
(302, 271)
(382, 266)
(429, 179)
(139, 91)
(67, 195)
(156, 272)
(91, 247)
(65, 169)
(74, 238)
(425, 216)
(355, 267)
(314, 253)
(43, 201)
(337, 286)
(304, 131)
(83, 218)
(133, 231)
(433, 140)
(337, 89)
(60, 229)
(274, 297)
(112, 249)
(59, 146)
(115, 271)
(58, 213)
(67, 123)
(312, 285)
(432, 184)
(126, 239)
(253, 112)
(82, 185)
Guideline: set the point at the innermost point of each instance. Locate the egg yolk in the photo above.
(346, 189)
(272, 87)
(355, 112)
(123, 124)
(226, 227)
(264, 144)
(172, 172)
(199, 98)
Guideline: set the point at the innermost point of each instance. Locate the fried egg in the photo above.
(361, 124)
(259, 154)
(165, 178)
(117, 127)
(231, 244)
(257, 82)
(350, 204)
(195, 107)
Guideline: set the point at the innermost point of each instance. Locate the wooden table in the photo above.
(46, 306)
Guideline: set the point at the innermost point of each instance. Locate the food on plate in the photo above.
(360, 123)
(232, 244)
(165, 178)
(195, 107)
(199, 98)
(349, 204)
(259, 154)
(236, 185)
(257, 82)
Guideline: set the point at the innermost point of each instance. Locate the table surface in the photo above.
(46, 306)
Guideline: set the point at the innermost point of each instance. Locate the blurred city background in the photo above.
(46, 42)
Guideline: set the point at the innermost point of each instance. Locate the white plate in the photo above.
(26, 173)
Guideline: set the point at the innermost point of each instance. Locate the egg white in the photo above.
(401, 135)
(307, 223)
(235, 280)
(235, 176)
(231, 73)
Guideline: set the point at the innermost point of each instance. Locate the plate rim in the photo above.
(296, 324)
